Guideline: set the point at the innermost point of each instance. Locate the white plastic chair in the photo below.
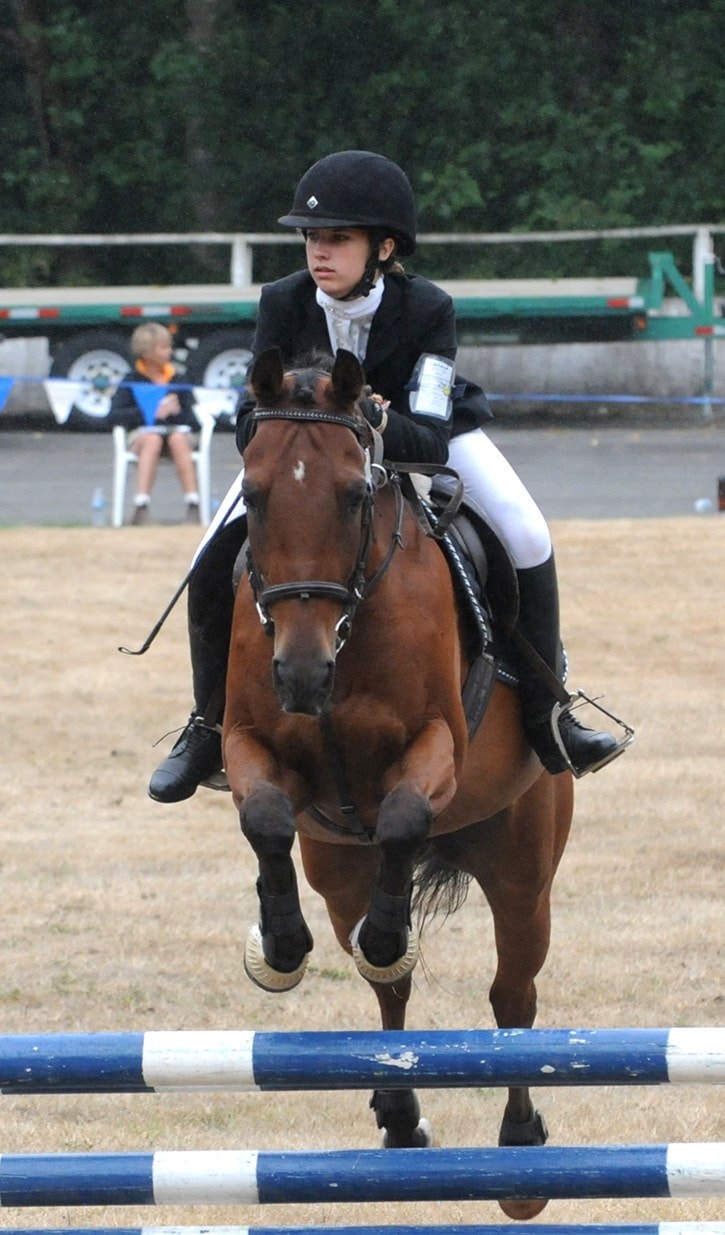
(123, 458)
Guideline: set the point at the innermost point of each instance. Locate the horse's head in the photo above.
(307, 488)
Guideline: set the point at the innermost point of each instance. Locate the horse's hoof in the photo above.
(521, 1211)
(422, 1138)
(262, 974)
(532, 1132)
(386, 974)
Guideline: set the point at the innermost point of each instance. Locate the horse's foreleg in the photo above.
(385, 946)
(277, 950)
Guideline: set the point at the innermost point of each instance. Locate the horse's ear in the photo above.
(347, 377)
(266, 377)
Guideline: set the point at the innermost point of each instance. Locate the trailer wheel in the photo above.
(100, 358)
(221, 359)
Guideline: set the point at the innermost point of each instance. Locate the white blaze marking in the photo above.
(299, 471)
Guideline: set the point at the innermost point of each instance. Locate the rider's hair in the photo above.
(392, 264)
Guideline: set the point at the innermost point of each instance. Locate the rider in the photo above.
(357, 213)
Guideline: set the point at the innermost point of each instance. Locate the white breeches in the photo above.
(227, 503)
(491, 484)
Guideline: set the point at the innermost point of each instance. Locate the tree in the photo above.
(202, 114)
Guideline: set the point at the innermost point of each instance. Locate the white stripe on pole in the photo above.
(197, 1177)
(689, 1228)
(690, 1052)
(244, 1230)
(696, 1170)
(204, 1059)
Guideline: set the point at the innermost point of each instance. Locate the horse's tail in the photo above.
(438, 887)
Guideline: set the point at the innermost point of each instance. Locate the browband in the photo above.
(358, 427)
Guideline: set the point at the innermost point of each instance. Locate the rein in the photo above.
(357, 587)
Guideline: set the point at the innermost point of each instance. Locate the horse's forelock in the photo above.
(311, 386)
(305, 387)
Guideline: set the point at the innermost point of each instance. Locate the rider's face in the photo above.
(336, 257)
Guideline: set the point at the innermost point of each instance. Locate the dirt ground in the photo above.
(123, 914)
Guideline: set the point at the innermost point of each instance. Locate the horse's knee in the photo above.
(404, 820)
(267, 822)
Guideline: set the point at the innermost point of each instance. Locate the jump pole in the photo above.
(516, 1228)
(245, 1060)
(231, 1177)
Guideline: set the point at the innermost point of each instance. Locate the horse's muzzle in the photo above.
(303, 688)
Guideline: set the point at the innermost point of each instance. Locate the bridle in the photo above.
(352, 593)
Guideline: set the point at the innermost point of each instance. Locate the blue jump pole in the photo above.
(244, 1060)
(230, 1177)
(647, 1228)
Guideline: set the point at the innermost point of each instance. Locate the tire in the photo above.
(101, 358)
(221, 359)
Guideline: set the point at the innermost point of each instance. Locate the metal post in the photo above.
(702, 253)
(708, 376)
(241, 268)
(703, 282)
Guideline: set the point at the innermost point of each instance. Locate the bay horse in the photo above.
(344, 728)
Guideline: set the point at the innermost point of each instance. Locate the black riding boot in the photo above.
(196, 757)
(587, 749)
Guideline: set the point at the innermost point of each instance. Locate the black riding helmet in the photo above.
(355, 188)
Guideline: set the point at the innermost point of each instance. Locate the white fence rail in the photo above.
(243, 244)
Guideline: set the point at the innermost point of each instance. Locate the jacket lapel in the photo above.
(313, 334)
(384, 333)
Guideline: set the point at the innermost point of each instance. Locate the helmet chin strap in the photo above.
(363, 286)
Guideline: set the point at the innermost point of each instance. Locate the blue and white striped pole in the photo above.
(647, 1228)
(231, 1177)
(242, 1060)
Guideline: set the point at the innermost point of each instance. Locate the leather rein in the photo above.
(350, 594)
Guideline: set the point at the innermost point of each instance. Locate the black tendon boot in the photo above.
(587, 749)
(196, 757)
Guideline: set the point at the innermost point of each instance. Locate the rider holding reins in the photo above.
(357, 213)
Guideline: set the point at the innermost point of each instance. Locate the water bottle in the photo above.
(99, 509)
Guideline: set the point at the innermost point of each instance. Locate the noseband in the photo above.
(351, 594)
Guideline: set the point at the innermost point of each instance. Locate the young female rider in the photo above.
(357, 213)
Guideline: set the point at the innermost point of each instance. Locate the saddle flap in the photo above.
(492, 565)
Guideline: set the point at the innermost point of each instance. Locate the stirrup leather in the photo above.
(560, 708)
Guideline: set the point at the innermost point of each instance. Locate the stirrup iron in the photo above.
(560, 708)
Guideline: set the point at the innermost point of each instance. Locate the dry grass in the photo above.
(122, 914)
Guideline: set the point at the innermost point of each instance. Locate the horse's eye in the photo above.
(251, 498)
(355, 499)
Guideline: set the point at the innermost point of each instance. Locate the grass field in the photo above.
(123, 914)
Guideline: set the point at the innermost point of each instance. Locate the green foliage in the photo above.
(202, 114)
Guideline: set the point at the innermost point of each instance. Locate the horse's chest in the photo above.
(341, 759)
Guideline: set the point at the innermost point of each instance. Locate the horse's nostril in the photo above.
(303, 687)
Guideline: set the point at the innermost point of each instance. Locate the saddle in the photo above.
(486, 589)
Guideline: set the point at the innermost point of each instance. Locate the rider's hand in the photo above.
(375, 409)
